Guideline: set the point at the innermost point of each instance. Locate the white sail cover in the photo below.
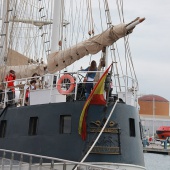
(61, 59)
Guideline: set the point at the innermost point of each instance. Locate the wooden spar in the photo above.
(134, 23)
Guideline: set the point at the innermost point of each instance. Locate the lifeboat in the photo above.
(163, 132)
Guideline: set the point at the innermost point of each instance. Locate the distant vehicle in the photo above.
(163, 132)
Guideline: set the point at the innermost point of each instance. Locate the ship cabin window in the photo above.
(3, 126)
(132, 127)
(33, 126)
(65, 124)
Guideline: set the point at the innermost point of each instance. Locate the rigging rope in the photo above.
(128, 59)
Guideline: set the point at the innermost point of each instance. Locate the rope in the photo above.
(128, 58)
(101, 23)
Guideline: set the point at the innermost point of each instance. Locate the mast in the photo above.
(56, 25)
(4, 30)
(153, 121)
(109, 24)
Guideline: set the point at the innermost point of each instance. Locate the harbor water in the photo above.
(157, 161)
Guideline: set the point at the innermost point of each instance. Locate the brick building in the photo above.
(154, 112)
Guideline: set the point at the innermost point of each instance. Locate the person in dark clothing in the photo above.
(90, 77)
(1, 94)
(108, 86)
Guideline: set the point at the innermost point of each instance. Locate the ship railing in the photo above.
(128, 90)
(123, 87)
(11, 160)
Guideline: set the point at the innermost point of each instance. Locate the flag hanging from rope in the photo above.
(95, 97)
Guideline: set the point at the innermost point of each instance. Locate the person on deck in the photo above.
(36, 77)
(10, 79)
(108, 86)
(90, 77)
(27, 94)
(111, 88)
(33, 85)
(1, 94)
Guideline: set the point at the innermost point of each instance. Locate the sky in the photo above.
(150, 46)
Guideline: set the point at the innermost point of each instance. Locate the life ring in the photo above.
(71, 83)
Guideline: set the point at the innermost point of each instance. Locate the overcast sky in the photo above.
(150, 45)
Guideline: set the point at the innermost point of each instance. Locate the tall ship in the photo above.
(47, 111)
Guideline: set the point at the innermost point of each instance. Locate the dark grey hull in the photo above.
(118, 143)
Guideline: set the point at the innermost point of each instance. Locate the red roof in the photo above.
(152, 97)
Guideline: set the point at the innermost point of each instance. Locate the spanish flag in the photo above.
(95, 97)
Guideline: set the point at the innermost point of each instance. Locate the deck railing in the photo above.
(19, 160)
(13, 160)
(123, 87)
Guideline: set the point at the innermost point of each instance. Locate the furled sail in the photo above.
(61, 59)
(16, 59)
(19, 63)
(23, 71)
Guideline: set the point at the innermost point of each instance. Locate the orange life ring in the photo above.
(60, 82)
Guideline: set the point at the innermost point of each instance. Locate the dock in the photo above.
(158, 148)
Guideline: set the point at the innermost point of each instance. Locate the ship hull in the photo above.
(118, 144)
(163, 132)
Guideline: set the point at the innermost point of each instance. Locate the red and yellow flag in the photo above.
(95, 97)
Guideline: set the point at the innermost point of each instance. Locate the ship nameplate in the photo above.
(106, 150)
(106, 130)
(96, 126)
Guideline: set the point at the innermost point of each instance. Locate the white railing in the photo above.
(47, 86)
(26, 161)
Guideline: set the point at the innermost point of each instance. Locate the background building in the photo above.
(154, 112)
